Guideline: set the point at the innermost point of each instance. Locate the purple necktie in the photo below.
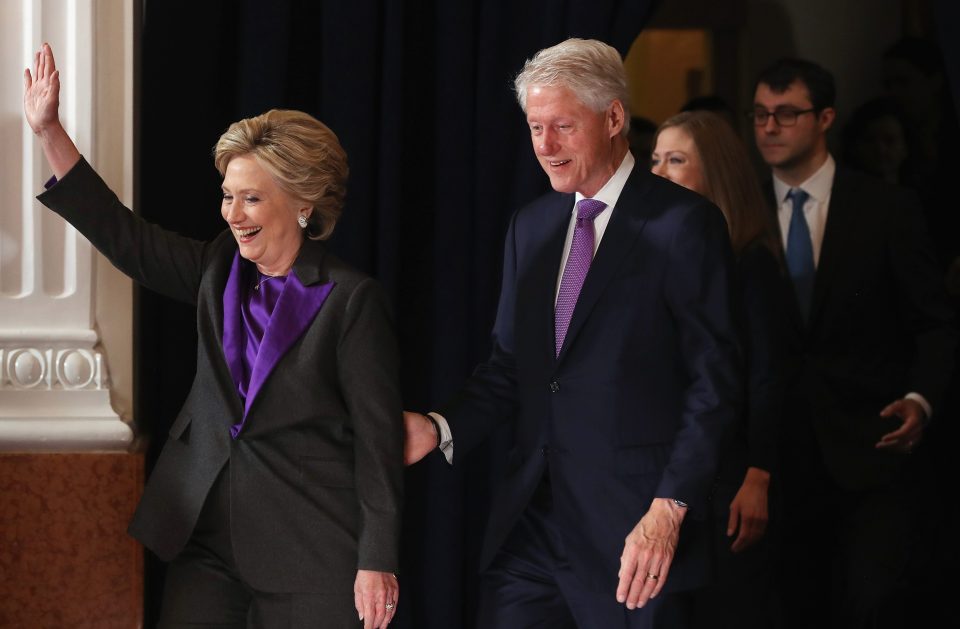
(578, 263)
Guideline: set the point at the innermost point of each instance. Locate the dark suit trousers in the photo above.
(204, 589)
(530, 585)
(744, 595)
(845, 554)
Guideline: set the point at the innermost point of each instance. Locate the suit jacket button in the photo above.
(554, 386)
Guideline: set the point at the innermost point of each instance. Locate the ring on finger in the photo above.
(650, 575)
(390, 606)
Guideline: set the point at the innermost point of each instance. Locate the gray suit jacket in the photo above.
(316, 473)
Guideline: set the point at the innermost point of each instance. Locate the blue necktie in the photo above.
(800, 252)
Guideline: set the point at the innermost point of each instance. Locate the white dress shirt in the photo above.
(815, 209)
(609, 194)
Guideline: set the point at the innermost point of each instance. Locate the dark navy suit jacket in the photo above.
(647, 381)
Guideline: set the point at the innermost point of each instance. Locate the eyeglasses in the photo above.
(784, 116)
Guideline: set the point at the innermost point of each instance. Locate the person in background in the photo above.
(277, 496)
(875, 141)
(700, 151)
(871, 342)
(640, 136)
(914, 78)
(713, 103)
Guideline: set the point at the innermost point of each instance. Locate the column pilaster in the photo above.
(55, 381)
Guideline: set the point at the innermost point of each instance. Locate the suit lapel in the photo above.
(841, 225)
(232, 333)
(540, 289)
(298, 305)
(222, 318)
(625, 225)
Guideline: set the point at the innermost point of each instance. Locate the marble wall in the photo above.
(65, 557)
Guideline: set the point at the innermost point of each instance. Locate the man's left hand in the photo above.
(908, 435)
(648, 553)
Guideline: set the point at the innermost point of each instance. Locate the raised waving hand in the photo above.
(41, 107)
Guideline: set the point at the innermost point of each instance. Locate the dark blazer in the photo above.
(879, 328)
(763, 311)
(316, 473)
(647, 380)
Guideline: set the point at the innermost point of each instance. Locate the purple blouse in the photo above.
(261, 324)
(256, 308)
(249, 301)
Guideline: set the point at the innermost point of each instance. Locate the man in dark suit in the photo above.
(620, 380)
(871, 346)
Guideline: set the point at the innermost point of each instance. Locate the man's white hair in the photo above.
(591, 69)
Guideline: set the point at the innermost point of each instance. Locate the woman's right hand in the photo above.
(749, 510)
(41, 105)
(41, 92)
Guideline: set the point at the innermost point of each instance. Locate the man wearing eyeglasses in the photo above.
(872, 341)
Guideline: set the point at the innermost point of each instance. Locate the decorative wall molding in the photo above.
(55, 385)
(48, 368)
(55, 396)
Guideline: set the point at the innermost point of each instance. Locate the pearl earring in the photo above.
(302, 221)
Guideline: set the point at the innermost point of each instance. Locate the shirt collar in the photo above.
(818, 185)
(610, 192)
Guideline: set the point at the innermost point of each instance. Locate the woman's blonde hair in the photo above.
(728, 175)
(302, 155)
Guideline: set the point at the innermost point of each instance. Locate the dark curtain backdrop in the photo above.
(419, 92)
(947, 14)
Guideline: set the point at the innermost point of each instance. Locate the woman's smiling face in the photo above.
(262, 216)
(675, 157)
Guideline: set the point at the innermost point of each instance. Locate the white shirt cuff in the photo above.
(446, 437)
(922, 401)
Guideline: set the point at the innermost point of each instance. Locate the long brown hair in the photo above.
(730, 180)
